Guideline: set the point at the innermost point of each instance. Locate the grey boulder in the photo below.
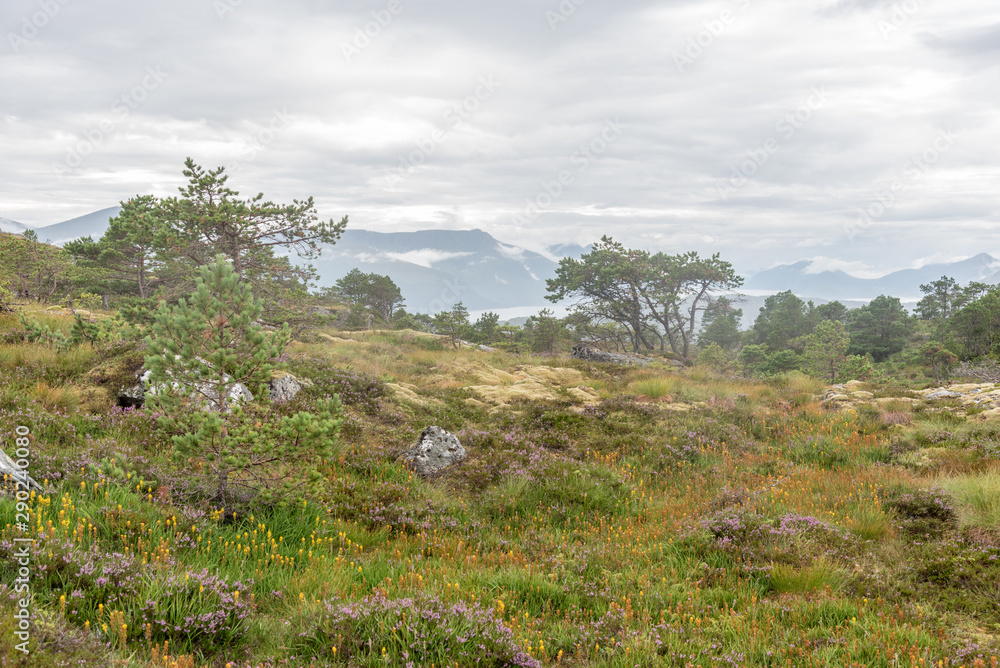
(435, 450)
(944, 394)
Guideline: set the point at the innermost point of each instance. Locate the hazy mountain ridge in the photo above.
(839, 285)
(436, 268)
(12, 226)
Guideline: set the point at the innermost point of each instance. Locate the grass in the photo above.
(978, 496)
(655, 388)
(821, 575)
(753, 528)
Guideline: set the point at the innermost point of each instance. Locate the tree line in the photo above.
(152, 249)
(682, 306)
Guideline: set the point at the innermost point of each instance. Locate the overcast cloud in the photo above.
(861, 132)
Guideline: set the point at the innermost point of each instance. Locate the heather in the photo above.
(673, 517)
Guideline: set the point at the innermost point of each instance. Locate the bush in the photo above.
(924, 512)
(714, 357)
(415, 632)
(353, 388)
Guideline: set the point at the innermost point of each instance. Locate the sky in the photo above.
(860, 134)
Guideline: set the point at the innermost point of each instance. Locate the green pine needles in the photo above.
(202, 354)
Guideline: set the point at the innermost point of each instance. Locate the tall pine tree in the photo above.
(198, 352)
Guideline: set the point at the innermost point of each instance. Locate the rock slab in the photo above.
(434, 451)
(282, 387)
(943, 394)
(584, 352)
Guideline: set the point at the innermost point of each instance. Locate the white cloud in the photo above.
(425, 257)
(656, 186)
(510, 252)
(858, 269)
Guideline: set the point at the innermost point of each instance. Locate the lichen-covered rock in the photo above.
(434, 451)
(585, 352)
(283, 386)
(135, 396)
(132, 397)
(943, 394)
(863, 395)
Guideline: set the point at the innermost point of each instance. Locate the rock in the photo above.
(319, 310)
(135, 396)
(584, 352)
(863, 395)
(833, 398)
(853, 383)
(435, 450)
(943, 394)
(283, 386)
(19, 478)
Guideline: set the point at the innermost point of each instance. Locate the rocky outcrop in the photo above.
(283, 386)
(980, 401)
(582, 351)
(944, 394)
(434, 451)
(237, 392)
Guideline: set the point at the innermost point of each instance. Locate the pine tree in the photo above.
(210, 343)
(826, 349)
(124, 259)
(453, 323)
(199, 351)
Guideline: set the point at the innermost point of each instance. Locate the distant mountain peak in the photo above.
(12, 226)
(836, 283)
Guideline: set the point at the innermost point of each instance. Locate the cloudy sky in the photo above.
(861, 133)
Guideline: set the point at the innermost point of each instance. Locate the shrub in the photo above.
(896, 417)
(714, 357)
(354, 389)
(924, 511)
(413, 632)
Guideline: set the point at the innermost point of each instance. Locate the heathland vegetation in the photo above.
(717, 504)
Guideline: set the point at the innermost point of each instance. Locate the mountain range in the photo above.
(433, 268)
(436, 268)
(838, 285)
